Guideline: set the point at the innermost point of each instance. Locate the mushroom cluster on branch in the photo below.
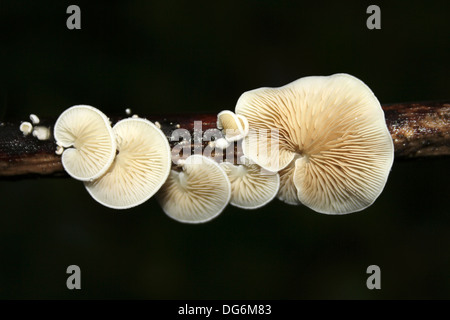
(323, 142)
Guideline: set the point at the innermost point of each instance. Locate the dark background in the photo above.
(190, 56)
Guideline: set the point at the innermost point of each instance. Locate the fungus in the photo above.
(251, 186)
(34, 118)
(41, 132)
(196, 194)
(90, 145)
(139, 169)
(59, 150)
(26, 128)
(221, 143)
(234, 126)
(333, 131)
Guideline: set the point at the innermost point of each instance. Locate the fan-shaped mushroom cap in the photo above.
(87, 134)
(251, 186)
(196, 194)
(139, 169)
(335, 128)
(235, 126)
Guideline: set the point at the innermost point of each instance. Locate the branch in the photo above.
(417, 129)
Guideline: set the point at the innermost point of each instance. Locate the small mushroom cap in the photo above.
(197, 194)
(334, 128)
(34, 118)
(251, 186)
(26, 128)
(41, 132)
(139, 169)
(221, 143)
(235, 126)
(87, 134)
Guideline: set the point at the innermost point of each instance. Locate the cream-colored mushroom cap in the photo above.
(334, 130)
(139, 169)
(90, 146)
(251, 186)
(196, 194)
(235, 126)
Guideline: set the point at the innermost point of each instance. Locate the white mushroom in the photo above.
(251, 186)
(196, 194)
(59, 150)
(89, 142)
(26, 128)
(34, 118)
(334, 130)
(221, 143)
(234, 126)
(41, 132)
(140, 168)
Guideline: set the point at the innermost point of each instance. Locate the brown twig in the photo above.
(417, 129)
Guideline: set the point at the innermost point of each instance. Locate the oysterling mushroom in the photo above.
(139, 169)
(90, 146)
(333, 131)
(197, 193)
(251, 186)
(234, 126)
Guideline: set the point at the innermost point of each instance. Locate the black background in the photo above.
(199, 56)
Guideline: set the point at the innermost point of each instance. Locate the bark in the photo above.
(418, 130)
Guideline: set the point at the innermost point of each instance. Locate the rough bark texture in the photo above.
(417, 129)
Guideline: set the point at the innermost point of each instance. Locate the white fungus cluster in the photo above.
(326, 146)
(121, 166)
(39, 132)
(203, 188)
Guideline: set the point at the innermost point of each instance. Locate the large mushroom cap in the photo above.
(139, 169)
(197, 194)
(87, 134)
(251, 186)
(335, 131)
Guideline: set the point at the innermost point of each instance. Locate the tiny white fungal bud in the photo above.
(134, 116)
(59, 150)
(178, 126)
(34, 118)
(128, 111)
(42, 133)
(158, 125)
(222, 143)
(26, 128)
